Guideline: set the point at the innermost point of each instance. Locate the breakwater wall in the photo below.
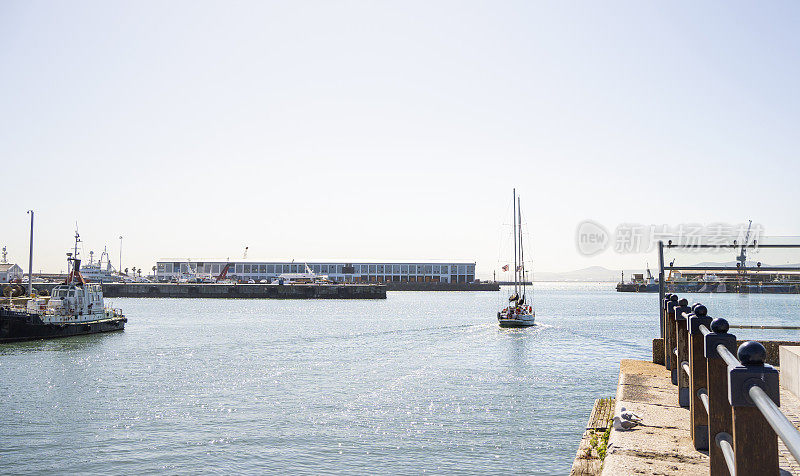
(442, 286)
(228, 291)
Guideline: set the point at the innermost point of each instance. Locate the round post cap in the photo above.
(719, 326)
(700, 310)
(673, 298)
(752, 353)
(683, 302)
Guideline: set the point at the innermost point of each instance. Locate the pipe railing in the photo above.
(733, 397)
(776, 419)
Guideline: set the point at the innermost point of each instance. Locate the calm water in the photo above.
(421, 382)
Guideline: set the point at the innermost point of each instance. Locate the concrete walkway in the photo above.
(662, 444)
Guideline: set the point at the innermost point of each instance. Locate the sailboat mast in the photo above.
(521, 253)
(514, 204)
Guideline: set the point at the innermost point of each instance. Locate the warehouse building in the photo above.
(355, 272)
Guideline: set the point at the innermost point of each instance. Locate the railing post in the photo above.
(698, 378)
(665, 326)
(682, 345)
(755, 443)
(670, 339)
(719, 409)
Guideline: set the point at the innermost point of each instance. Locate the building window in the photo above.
(262, 268)
(428, 269)
(239, 269)
(372, 269)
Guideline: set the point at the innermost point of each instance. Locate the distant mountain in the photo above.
(592, 273)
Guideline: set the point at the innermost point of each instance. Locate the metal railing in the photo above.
(733, 400)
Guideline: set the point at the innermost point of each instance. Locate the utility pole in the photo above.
(30, 259)
(120, 255)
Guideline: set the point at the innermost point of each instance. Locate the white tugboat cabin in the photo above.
(73, 301)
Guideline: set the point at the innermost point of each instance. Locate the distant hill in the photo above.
(592, 273)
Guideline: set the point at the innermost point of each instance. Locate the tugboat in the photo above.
(518, 313)
(75, 308)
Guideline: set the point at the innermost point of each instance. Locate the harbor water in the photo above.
(419, 382)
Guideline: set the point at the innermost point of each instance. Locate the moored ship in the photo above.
(75, 307)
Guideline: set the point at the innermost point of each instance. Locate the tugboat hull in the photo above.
(21, 326)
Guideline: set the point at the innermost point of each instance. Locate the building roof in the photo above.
(7, 266)
(314, 261)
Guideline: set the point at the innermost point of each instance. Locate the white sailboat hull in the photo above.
(525, 320)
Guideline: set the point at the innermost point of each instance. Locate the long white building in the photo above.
(347, 272)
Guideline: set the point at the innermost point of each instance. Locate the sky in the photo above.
(390, 130)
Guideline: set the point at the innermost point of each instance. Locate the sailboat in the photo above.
(519, 312)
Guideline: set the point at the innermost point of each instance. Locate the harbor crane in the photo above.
(742, 258)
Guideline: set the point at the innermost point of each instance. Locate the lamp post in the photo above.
(120, 254)
(30, 259)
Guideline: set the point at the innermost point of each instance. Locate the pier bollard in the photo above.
(719, 408)
(699, 376)
(669, 331)
(666, 326)
(663, 314)
(672, 339)
(682, 347)
(755, 443)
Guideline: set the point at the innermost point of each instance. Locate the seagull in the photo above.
(620, 424)
(629, 415)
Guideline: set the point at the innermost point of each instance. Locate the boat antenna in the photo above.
(30, 259)
(521, 254)
(514, 215)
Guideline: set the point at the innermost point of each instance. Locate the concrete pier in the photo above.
(662, 444)
(228, 291)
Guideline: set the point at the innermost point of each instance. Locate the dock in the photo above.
(709, 403)
(236, 291)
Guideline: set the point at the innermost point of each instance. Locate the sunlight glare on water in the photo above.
(420, 382)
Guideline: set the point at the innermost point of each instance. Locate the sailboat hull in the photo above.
(524, 321)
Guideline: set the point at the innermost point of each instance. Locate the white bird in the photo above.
(629, 415)
(620, 424)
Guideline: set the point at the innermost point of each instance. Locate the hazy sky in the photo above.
(390, 130)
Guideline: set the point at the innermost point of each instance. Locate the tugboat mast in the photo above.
(75, 253)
